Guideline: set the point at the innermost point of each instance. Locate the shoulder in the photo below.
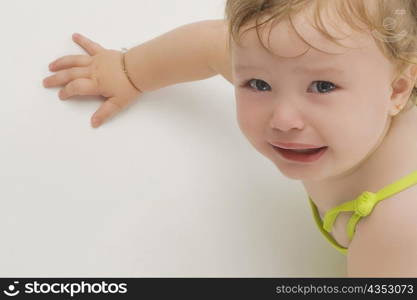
(385, 242)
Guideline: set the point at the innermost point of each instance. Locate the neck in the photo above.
(392, 158)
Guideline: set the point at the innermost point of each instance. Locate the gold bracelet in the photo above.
(124, 50)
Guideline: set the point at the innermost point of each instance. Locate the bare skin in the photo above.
(149, 65)
(370, 144)
(98, 73)
(359, 122)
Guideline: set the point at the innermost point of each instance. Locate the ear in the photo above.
(402, 88)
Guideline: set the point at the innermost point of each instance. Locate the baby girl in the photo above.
(325, 89)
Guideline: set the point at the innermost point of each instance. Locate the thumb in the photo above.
(107, 110)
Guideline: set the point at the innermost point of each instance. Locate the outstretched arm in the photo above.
(190, 52)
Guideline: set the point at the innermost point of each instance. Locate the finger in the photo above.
(80, 86)
(88, 45)
(70, 61)
(65, 76)
(107, 110)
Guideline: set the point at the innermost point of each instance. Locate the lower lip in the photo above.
(300, 157)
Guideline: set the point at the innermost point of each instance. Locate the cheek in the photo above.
(372, 116)
(357, 132)
(251, 118)
(373, 125)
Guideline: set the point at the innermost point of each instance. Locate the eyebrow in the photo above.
(301, 69)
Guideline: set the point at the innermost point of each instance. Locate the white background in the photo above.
(170, 187)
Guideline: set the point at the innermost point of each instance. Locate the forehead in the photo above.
(300, 41)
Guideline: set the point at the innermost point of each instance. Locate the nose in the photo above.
(286, 116)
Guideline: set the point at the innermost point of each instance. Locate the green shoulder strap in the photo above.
(365, 203)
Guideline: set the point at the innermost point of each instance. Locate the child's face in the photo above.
(349, 114)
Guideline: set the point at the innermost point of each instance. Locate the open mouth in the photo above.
(305, 155)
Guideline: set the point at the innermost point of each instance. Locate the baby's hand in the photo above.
(99, 73)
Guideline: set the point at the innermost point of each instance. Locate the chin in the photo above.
(295, 172)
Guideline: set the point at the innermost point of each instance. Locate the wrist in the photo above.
(124, 66)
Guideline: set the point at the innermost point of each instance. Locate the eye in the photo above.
(257, 84)
(324, 86)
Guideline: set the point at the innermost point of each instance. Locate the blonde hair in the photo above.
(393, 24)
